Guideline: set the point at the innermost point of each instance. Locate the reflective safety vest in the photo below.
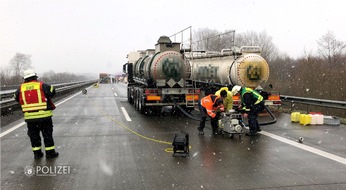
(207, 102)
(228, 101)
(255, 94)
(33, 101)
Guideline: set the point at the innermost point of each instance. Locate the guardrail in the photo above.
(7, 94)
(7, 99)
(315, 102)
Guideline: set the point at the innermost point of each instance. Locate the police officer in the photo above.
(35, 100)
(252, 104)
(210, 105)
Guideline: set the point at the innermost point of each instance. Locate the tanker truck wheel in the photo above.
(136, 100)
(129, 99)
(141, 106)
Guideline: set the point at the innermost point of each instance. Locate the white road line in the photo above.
(23, 123)
(11, 129)
(125, 114)
(115, 94)
(67, 99)
(307, 148)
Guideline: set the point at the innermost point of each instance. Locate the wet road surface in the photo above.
(102, 148)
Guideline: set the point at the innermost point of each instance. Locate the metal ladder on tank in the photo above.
(191, 103)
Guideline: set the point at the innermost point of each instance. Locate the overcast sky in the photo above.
(84, 36)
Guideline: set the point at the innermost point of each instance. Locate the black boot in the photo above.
(251, 134)
(51, 154)
(38, 154)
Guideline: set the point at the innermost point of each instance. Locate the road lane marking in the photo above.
(132, 131)
(11, 129)
(307, 148)
(23, 123)
(125, 114)
(67, 99)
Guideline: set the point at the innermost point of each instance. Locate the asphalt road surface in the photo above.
(104, 143)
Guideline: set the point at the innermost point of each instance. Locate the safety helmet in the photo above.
(29, 73)
(236, 89)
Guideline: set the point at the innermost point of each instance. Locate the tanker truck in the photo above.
(241, 66)
(159, 77)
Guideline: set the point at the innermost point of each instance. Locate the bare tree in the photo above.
(203, 39)
(250, 38)
(212, 40)
(330, 48)
(5, 75)
(19, 63)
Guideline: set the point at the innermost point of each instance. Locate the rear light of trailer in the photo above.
(275, 98)
(194, 91)
(151, 91)
(190, 97)
(277, 102)
(236, 97)
(152, 95)
(236, 100)
(153, 98)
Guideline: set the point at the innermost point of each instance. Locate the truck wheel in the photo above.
(136, 100)
(140, 104)
(129, 99)
(142, 107)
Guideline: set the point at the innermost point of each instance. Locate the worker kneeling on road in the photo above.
(210, 105)
(252, 104)
(35, 100)
(227, 98)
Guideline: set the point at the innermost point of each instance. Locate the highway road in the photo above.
(104, 143)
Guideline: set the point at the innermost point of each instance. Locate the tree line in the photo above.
(318, 74)
(13, 73)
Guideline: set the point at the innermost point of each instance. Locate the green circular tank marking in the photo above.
(253, 73)
(172, 68)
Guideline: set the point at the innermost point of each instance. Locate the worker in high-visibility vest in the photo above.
(227, 99)
(210, 106)
(252, 104)
(35, 100)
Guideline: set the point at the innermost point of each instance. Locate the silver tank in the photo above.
(163, 68)
(167, 65)
(249, 70)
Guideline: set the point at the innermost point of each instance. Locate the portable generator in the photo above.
(181, 144)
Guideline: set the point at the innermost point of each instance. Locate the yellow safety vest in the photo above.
(259, 97)
(33, 101)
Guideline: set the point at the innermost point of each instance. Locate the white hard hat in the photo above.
(29, 73)
(236, 89)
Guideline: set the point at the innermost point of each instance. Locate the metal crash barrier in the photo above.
(8, 103)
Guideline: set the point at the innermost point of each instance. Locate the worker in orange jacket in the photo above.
(210, 106)
(35, 100)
